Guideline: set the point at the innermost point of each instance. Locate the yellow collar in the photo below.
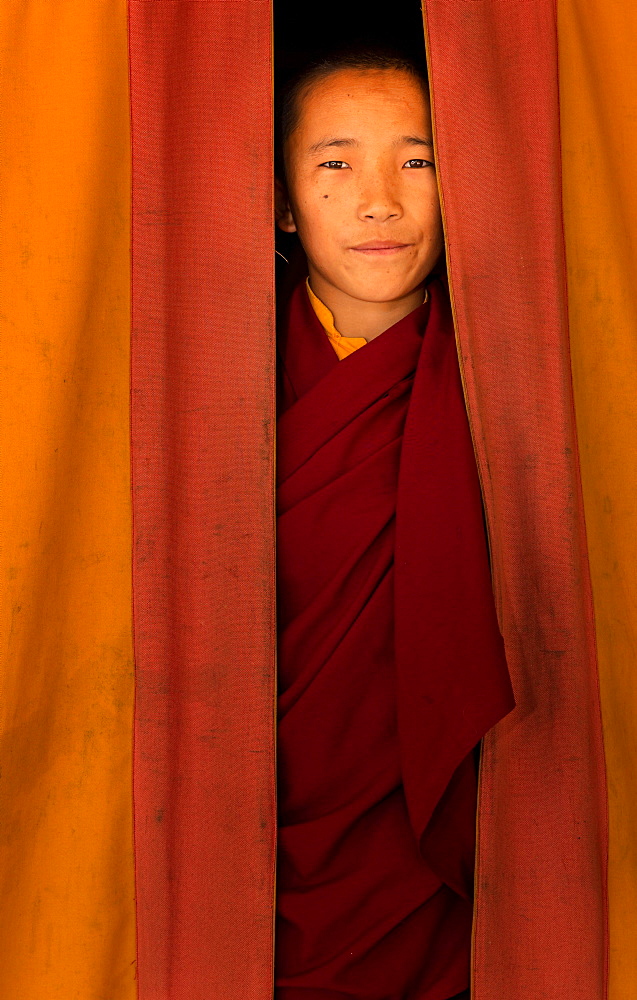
(342, 345)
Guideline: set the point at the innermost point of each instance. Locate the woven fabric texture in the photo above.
(202, 399)
(67, 912)
(598, 103)
(540, 921)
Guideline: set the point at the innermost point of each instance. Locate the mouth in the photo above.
(381, 248)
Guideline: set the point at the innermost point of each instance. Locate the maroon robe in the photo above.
(391, 664)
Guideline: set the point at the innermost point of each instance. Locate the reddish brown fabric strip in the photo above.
(540, 909)
(202, 454)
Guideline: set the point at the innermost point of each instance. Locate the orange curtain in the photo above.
(137, 805)
(67, 917)
(598, 96)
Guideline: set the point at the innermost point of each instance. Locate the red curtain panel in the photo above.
(540, 915)
(202, 429)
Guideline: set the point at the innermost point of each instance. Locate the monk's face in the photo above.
(362, 190)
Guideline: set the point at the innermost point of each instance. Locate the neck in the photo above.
(359, 318)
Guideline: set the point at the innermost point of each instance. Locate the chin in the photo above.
(372, 286)
(374, 291)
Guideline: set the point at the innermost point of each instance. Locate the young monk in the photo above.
(391, 665)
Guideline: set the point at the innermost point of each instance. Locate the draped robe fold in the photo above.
(391, 664)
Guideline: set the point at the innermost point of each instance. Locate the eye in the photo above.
(418, 164)
(335, 165)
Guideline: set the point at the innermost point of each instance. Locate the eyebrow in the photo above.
(414, 140)
(316, 147)
(403, 140)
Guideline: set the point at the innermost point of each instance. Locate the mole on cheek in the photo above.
(326, 195)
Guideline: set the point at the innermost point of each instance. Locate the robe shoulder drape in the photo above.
(391, 665)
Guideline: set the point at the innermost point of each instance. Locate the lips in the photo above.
(381, 247)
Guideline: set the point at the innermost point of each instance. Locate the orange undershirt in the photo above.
(343, 346)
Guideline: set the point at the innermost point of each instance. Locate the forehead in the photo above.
(360, 100)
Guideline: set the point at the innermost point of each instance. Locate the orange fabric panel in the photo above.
(598, 92)
(540, 917)
(66, 674)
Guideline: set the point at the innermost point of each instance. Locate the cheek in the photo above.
(435, 222)
(419, 194)
(319, 220)
(429, 219)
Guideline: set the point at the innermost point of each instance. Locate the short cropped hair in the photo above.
(370, 57)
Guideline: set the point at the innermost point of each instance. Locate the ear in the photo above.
(282, 210)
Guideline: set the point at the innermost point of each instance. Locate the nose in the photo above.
(378, 201)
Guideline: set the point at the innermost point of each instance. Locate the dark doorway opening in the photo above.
(303, 33)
